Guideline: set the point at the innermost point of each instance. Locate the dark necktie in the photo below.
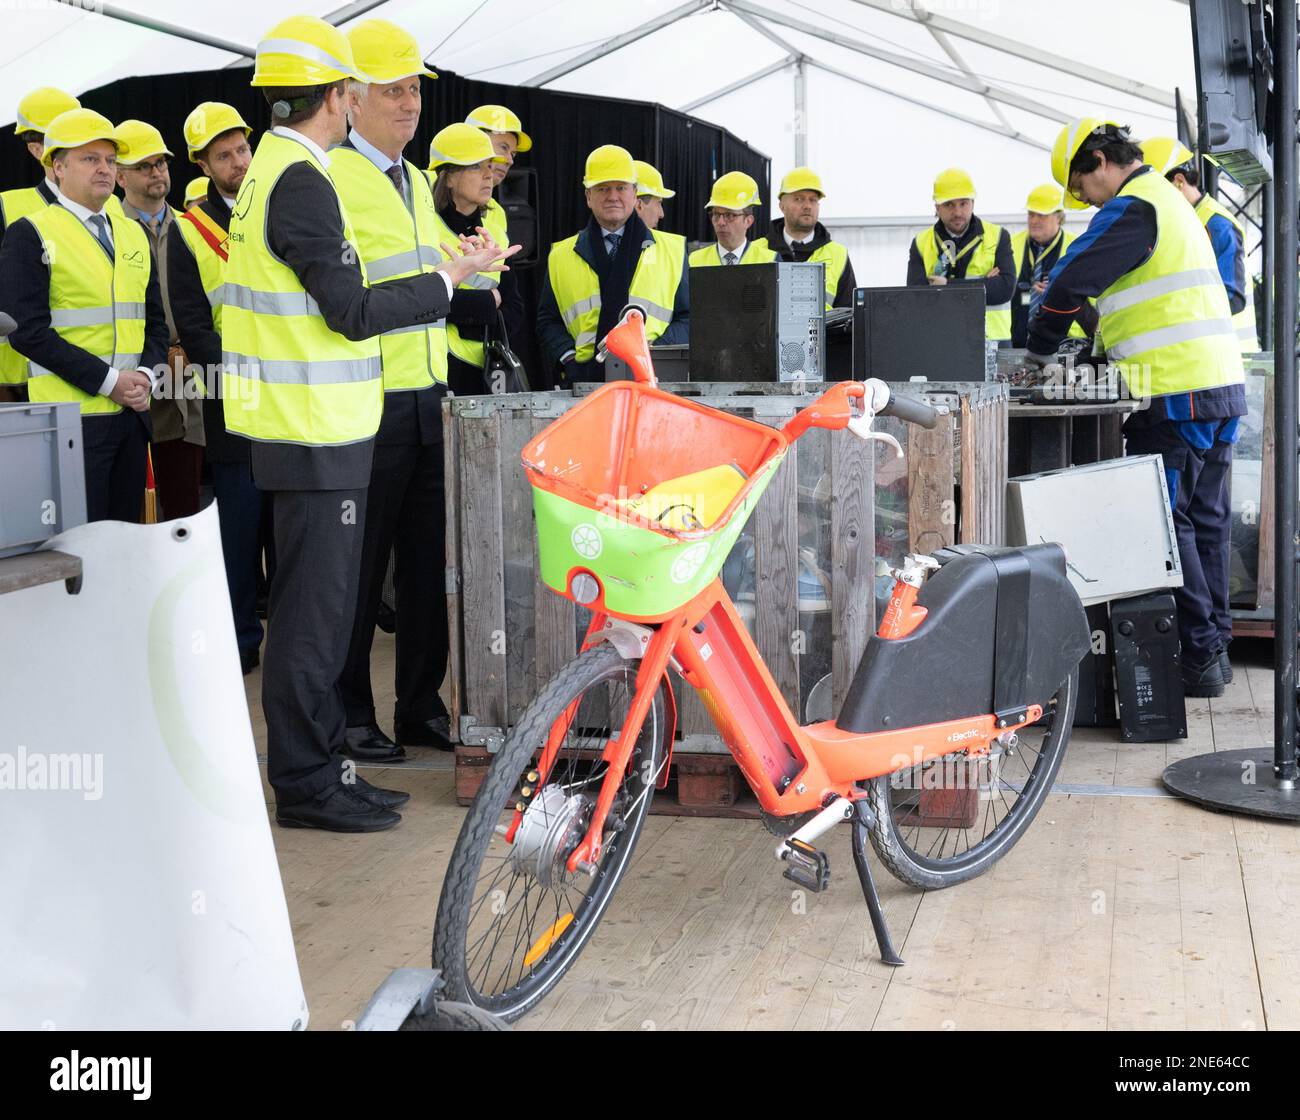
(101, 232)
(395, 173)
(730, 258)
(611, 242)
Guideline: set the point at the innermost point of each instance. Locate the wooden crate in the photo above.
(510, 634)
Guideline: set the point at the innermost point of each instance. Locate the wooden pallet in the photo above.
(707, 784)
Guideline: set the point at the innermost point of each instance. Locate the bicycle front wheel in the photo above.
(511, 919)
(952, 818)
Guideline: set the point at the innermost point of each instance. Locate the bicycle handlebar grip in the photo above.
(911, 410)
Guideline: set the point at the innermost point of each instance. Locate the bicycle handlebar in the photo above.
(911, 410)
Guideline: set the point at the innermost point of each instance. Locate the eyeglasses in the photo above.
(151, 166)
(727, 216)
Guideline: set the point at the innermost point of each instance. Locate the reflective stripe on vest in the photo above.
(1244, 321)
(654, 288)
(983, 259)
(96, 304)
(756, 252)
(396, 238)
(288, 378)
(1167, 322)
(835, 257)
(470, 350)
(14, 205)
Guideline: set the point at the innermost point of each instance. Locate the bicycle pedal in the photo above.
(808, 866)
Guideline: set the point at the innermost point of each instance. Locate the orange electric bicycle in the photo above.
(946, 745)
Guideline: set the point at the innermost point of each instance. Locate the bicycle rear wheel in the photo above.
(511, 920)
(952, 818)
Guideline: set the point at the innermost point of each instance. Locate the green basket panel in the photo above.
(643, 573)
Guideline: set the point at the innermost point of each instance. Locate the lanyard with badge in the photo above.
(949, 258)
(1028, 296)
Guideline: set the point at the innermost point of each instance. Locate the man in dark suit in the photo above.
(78, 278)
(303, 380)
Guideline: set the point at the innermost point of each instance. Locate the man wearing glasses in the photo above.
(731, 213)
(144, 174)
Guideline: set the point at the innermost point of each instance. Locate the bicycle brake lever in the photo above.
(860, 426)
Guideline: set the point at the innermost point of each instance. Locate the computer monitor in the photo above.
(935, 332)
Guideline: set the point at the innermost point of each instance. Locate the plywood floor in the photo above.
(1122, 908)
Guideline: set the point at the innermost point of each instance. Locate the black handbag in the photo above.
(503, 372)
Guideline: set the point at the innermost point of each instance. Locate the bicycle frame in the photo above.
(792, 768)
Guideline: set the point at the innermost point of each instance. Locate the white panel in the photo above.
(145, 892)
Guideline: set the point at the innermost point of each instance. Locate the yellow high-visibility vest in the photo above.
(288, 378)
(396, 238)
(755, 252)
(653, 288)
(95, 304)
(16, 204)
(1167, 324)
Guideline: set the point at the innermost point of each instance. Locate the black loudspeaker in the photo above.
(1095, 706)
(1148, 668)
(518, 197)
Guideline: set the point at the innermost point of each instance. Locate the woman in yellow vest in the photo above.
(506, 131)
(731, 213)
(1165, 322)
(961, 246)
(461, 162)
(1177, 164)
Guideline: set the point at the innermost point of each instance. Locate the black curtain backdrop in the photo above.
(564, 127)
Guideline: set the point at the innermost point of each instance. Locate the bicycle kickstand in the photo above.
(866, 819)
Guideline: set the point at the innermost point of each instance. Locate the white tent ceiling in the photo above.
(877, 145)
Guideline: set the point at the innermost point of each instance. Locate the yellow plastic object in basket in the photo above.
(690, 501)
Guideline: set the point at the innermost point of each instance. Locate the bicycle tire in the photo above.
(457, 909)
(928, 872)
(451, 1016)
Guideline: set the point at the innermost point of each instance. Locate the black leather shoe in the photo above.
(386, 619)
(368, 744)
(384, 798)
(250, 659)
(434, 732)
(336, 809)
(1204, 679)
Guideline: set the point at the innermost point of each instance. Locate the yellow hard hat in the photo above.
(649, 181)
(1068, 142)
(38, 108)
(497, 118)
(733, 191)
(138, 141)
(462, 145)
(801, 179)
(953, 183)
(196, 190)
(1044, 199)
(1164, 153)
(609, 164)
(208, 121)
(304, 51)
(74, 128)
(385, 52)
